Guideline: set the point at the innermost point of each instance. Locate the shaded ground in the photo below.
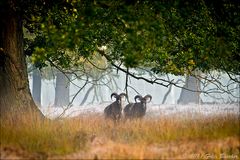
(102, 148)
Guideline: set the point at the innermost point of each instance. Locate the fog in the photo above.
(103, 91)
(211, 103)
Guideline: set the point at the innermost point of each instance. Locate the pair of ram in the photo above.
(132, 110)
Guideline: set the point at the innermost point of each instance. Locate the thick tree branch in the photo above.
(155, 81)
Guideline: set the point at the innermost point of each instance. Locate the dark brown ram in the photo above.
(138, 109)
(114, 110)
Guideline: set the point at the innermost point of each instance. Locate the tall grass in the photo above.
(127, 139)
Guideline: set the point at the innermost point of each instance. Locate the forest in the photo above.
(123, 79)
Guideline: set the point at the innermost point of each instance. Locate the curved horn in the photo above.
(138, 97)
(148, 96)
(114, 94)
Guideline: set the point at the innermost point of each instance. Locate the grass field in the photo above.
(91, 136)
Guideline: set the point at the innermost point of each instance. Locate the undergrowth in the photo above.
(64, 136)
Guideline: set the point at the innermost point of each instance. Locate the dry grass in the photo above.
(91, 136)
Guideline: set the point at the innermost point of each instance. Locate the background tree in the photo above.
(62, 89)
(192, 92)
(36, 86)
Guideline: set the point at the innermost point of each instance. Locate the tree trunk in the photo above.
(61, 90)
(86, 95)
(166, 95)
(192, 96)
(15, 96)
(36, 86)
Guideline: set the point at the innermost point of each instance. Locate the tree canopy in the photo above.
(168, 36)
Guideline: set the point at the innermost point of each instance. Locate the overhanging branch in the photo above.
(155, 81)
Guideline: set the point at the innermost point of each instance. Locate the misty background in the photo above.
(79, 93)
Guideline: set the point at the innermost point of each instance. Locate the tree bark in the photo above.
(62, 90)
(15, 96)
(36, 86)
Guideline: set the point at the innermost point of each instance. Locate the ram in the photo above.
(114, 110)
(138, 109)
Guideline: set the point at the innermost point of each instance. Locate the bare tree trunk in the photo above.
(62, 90)
(15, 96)
(86, 95)
(36, 86)
(166, 95)
(192, 96)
